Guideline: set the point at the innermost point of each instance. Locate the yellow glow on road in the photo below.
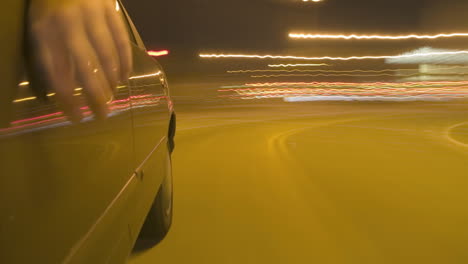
(249, 56)
(297, 65)
(381, 37)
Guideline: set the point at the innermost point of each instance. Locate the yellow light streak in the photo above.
(248, 56)
(369, 37)
(146, 75)
(297, 65)
(23, 84)
(25, 99)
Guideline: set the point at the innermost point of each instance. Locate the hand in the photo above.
(81, 42)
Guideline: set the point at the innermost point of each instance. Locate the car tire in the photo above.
(159, 218)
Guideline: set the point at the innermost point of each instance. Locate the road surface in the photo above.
(266, 181)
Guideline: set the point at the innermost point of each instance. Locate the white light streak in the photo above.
(369, 37)
(297, 65)
(413, 55)
(329, 71)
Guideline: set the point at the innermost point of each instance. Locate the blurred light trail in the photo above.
(330, 71)
(380, 37)
(332, 75)
(31, 98)
(410, 55)
(23, 84)
(359, 98)
(315, 1)
(158, 53)
(145, 76)
(355, 75)
(436, 58)
(297, 65)
(350, 94)
(357, 71)
(356, 84)
(25, 99)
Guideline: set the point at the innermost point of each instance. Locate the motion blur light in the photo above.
(158, 53)
(330, 71)
(297, 65)
(380, 37)
(417, 54)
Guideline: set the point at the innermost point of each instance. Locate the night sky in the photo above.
(187, 27)
(254, 24)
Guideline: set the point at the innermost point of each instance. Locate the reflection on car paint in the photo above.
(58, 119)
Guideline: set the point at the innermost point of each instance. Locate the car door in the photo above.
(152, 110)
(62, 185)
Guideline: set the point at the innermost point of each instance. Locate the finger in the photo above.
(101, 40)
(87, 67)
(121, 39)
(59, 73)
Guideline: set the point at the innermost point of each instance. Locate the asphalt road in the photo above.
(266, 181)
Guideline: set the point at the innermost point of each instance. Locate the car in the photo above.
(84, 193)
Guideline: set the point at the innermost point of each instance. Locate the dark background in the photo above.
(188, 27)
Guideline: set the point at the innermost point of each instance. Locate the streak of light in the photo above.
(356, 84)
(246, 56)
(379, 93)
(359, 98)
(24, 84)
(25, 99)
(158, 53)
(340, 91)
(353, 75)
(297, 65)
(145, 76)
(117, 6)
(330, 71)
(36, 118)
(31, 98)
(331, 75)
(381, 37)
(139, 101)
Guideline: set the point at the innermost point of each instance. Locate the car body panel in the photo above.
(50, 168)
(79, 193)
